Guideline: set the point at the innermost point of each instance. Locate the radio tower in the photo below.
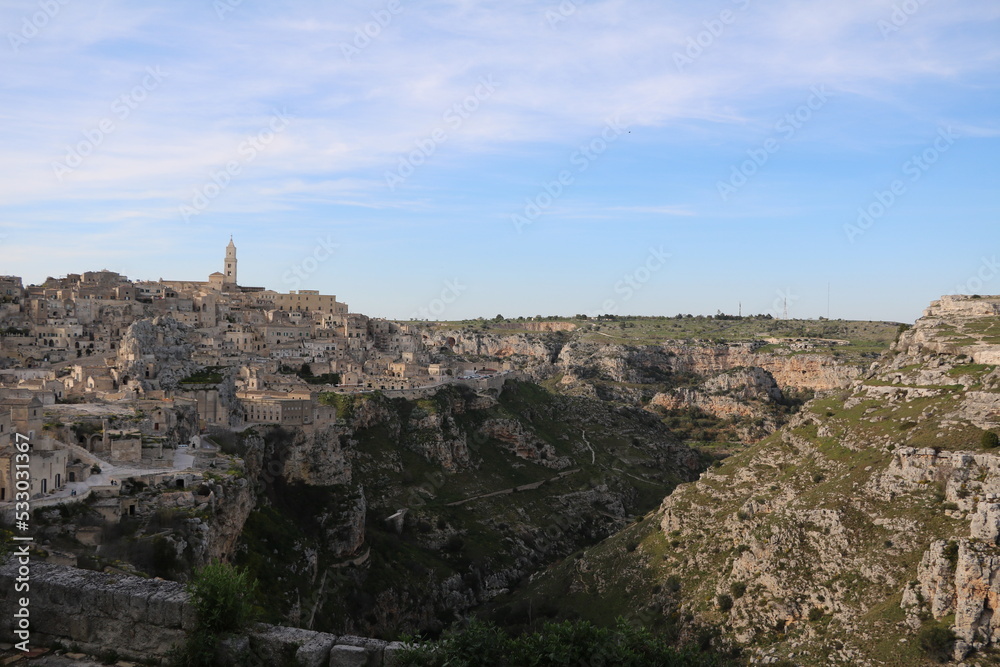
(785, 316)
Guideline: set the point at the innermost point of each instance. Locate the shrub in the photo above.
(935, 640)
(737, 588)
(951, 553)
(815, 614)
(990, 440)
(566, 643)
(724, 602)
(222, 598)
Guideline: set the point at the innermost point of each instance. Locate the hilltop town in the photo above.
(104, 372)
(376, 478)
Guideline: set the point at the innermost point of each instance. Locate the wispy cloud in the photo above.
(682, 211)
(559, 84)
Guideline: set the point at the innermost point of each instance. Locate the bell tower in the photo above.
(229, 275)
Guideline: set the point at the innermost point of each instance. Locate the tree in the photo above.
(498, 318)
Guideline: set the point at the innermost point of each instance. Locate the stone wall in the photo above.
(146, 618)
(139, 618)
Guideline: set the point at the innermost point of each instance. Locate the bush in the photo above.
(950, 553)
(222, 598)
(566, 643)
(990, 440)
(815, 614)
(936, 641)
(737, 588)
(725, 602)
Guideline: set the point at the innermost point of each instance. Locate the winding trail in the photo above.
(593, 455)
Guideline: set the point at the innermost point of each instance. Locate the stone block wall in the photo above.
(146, 618)
(140, 618)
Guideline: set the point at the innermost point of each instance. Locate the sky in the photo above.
(451, 159)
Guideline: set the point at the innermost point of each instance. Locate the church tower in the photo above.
(229, 275)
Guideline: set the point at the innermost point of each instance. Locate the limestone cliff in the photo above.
(407, 513)
(871, 518)
(667, 376)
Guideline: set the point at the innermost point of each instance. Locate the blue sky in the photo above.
(461, 158)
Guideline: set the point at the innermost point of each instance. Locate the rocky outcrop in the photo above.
(438, 438)
(528, 348)
(233, 502)
(740, 393)
(731, 381)
(345, 530)
(316, 458)
(526, 445)
(156, 353)
(817, 372)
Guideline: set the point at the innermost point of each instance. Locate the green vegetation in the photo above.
(453, 527)
(343, 402)
(990, 440)
(567, 643)
(305, 372)
(208, 375)
(936, 641)
(221, 596)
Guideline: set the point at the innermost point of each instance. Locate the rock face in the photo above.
(743, 383)
(870, 506)
(524, 444)
(579, 361)
(156, 353)
(529, 348)
(651, 363)
(233, 503)
(316, 458)
(739, 393)
(436, 435)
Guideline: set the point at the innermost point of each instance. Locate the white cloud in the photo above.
(353, 119)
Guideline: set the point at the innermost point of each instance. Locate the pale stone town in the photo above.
(112, 378)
